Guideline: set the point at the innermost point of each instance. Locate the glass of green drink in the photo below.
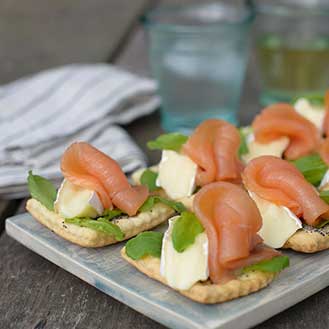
(292, 48)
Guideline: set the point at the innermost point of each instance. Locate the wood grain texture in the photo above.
(7, 208)
(37, 294)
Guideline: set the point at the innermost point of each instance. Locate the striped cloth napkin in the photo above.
(42, 114)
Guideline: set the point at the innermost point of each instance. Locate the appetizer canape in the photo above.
(294, 214)
(213, 254)
(210, 154)
(95, 205)
(279, 130)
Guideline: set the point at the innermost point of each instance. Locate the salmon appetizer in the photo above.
(286, 131)
(293, 212)
(213, 254)
(209, 154)
(281, 120)
(95, 205)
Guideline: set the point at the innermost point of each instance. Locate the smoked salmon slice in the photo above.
(326, 117)
(214, 146)
(87, 167)
(280, 182)
(281, 120)
(231, 220)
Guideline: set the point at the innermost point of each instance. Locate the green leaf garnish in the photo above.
(324, 195)
(322, 224)
(148, 179)
(243, 149)
(273, 265)
(172, 141)
(144, 244)
(153, 199)
(42, 190)
(312, 167)
(314, 99)
(185, 230)
(101, 224)
(110, 214)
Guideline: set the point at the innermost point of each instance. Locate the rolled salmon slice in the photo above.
(231, 220)
(280, 182)
(87, 167)
(326, 117)
(214, 146)
(324, 150)
(281, 120)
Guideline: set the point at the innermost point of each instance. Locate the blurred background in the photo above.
(35, 35)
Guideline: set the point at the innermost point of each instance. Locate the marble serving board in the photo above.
(104, 269)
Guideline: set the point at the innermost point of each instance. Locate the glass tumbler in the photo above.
(292, 47)
(198, 55)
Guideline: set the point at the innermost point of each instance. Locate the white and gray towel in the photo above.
(42, 114)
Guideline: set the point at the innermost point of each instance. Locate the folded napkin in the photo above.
(42, 114)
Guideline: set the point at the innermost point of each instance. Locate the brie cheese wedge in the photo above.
(279, 222)
(275, 148)
(313, 113)
(177, 174)
(183, 269)
(75, 201)
(324, 185)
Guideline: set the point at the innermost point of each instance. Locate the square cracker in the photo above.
(86, 237)
(309, 239)
(207, 292)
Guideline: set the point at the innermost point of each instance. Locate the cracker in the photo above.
(87, 237)
(309, 239)
(207, 292)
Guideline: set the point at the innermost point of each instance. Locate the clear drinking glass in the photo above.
(292, 45)
(198, 55)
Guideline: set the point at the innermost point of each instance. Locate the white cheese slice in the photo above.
(75, 201)
(177, 174)
(279, 223)
(315, 114)
(275, 148)
(324, 185)
(182, 269)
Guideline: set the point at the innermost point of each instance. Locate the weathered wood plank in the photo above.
(37, 34)
(7, 208)
(37, 294)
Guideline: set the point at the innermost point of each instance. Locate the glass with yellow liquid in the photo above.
(292, 48)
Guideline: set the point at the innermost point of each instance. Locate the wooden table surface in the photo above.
(37, 34)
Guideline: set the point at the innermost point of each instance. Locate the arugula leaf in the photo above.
(172, 141)
(144, 244)
(322, 224)
(314, 99)
(273, 265)
(110, 214)
(312, 167)
(243, 149)
(42, 190)
(324, 195)
(101, 224)
(148, 179)
(153, 199)
(185, 230)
